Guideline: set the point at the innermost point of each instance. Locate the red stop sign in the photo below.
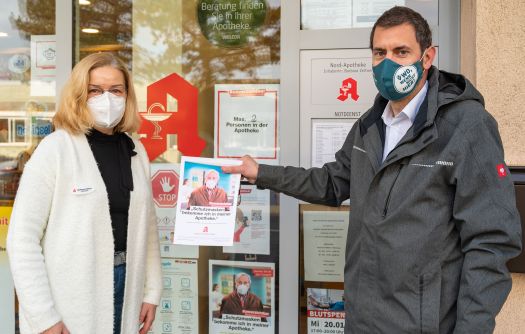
(165, 185)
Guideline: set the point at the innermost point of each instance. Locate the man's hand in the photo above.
(248, 169)
(147, 315)
(58, 328)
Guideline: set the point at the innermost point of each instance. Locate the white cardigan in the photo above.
(60, 241)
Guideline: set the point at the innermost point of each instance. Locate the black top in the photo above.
(113, 155)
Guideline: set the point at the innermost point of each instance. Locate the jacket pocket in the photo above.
(429, 301)
(387, 202)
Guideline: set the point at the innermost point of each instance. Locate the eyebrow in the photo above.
(114, 86)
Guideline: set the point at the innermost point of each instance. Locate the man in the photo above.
(433, 217)
(241, 299)
(209, 192)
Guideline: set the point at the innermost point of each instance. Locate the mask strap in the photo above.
(421, 59)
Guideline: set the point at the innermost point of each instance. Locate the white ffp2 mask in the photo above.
(242, 289)
(107, 109)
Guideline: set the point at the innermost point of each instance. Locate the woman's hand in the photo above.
(58, 328)
(147, 315)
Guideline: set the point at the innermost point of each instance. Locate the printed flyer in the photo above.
(43, 65)
(246, 122)
(207, 208)
(242, 297)
(324, 245)
(325, 311)
(165, 185)
(178, 312)
(252, 222)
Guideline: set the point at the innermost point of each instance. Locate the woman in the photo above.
(82, 243)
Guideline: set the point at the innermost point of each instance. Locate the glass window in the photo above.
(180, 53)
(27, 83)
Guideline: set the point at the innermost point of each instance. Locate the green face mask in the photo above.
(395, 81)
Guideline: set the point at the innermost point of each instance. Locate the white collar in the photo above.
(409, 111)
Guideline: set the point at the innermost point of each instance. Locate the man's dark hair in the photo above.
(400, 15)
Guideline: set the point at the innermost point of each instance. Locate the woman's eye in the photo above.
(116, 91)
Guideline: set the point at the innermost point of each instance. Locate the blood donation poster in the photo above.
(165, 185)
(325, 311)
(242, 297)
(252, 222)
(178, 311)
(246, 121)
(206, 210)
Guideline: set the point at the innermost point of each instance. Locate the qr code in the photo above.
(256, 215)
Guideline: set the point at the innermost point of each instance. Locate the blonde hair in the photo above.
(73, 114)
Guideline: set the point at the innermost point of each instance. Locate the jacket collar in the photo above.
(372, 131)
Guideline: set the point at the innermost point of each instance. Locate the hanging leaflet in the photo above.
(328, 138)
(324, 245)
(241, 297)
(43, 65)
(246, 122)
(207, 208)
(178, 311)
(252, 222)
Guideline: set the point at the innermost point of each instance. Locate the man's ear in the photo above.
(428, 58)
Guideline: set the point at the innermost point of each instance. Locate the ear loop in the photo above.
(421, 59)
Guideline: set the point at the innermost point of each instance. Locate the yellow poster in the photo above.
(7, 302)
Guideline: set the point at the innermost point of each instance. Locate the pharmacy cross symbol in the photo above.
(348, 87)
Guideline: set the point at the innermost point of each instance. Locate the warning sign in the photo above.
(165, 184)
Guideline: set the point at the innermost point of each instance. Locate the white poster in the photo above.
(328, 138)
(246, 122)
(43, 65)
(252, 222)
(178, 311)
(206, 210)
(335, 84)
(317, 14)
(325, 311)
(242, 297)
(324, 245)
(165, 186)
(366, 12)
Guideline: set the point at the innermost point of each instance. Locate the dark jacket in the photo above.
(232, 304)
(432, 227)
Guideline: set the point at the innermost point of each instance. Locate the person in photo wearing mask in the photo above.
(82, 243)
(208, 193)
(241, 299)
(433, 217)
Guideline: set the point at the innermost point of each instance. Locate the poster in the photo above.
(366, 12)
(165, 186)
(325, 311)
(328, 138)
(207, 202)
(317, 14)
(252, 222)
(178, 311)
(246, 122)
(324, 245)
(242, 297)
(43, 65)
(7, 290)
